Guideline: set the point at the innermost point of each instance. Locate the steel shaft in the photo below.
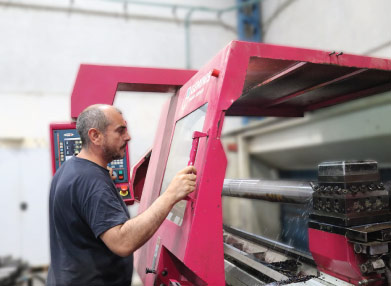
(274, 191)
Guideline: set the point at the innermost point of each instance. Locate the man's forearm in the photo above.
(125, 239)
(136, 231)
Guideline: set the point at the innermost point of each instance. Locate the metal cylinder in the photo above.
(274, 191)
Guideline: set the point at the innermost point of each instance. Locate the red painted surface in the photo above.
(335, 256)
(197, 245)
(139, 172)
(232, 147)
(284, 81)
(129, 183)
(193, 152)
(99, 84)
(171, 269)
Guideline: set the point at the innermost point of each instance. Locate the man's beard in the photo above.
(111, 154)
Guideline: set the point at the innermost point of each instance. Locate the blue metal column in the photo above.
(249, 29)
(249, 23)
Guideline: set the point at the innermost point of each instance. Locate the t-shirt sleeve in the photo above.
(103, 210)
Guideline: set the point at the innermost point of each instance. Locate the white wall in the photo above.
(352, 26)
(41, 47)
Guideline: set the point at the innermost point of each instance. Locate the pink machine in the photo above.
(348, 242)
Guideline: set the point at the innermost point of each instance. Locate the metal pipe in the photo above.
(187, 37)
(205, 9)
(273, 191)
(191, 9)
(125, 15)
(305, 257)
(187, 20)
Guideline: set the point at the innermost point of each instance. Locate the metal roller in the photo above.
(274, 191)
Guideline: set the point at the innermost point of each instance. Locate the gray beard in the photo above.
(111, 155)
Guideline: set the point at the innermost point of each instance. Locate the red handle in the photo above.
(194, 146)
(193, 152)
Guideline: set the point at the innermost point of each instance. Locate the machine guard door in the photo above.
(194, 226)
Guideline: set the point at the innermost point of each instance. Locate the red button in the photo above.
(124, 188)
(215, 73)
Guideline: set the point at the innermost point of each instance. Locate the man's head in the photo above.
(103, 130)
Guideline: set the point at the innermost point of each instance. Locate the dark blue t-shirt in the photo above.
(83, 204)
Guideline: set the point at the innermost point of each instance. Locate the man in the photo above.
(92, 237)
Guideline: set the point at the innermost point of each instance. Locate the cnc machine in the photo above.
(349, 212)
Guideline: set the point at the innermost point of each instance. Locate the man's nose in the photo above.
(127, 137)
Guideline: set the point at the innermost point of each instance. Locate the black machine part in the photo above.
(350, 200)
(346, 173)
(350, 193)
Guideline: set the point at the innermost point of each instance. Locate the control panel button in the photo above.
(124, 190)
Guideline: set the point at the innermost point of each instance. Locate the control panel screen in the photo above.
(72, 147)
(66, 143)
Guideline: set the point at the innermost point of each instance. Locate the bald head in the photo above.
(94, 116)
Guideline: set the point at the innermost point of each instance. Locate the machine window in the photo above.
(179, 155)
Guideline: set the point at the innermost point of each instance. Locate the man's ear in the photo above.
(95, 136)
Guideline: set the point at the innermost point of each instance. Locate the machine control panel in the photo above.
(66, 143)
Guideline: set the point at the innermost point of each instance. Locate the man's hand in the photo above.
(113, 177)
(128, 237)
(182, 184)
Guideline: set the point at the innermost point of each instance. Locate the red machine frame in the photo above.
(247, 79)
(97, 84)
(139, 172)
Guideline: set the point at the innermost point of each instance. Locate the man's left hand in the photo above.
(113, 177)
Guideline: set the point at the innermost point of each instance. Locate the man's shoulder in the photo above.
(81, 166)
(78, 180)
(82, 173)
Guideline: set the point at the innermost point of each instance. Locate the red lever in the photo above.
(193, 152)
(194, 147)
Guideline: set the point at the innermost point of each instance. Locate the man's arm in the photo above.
(124, 239)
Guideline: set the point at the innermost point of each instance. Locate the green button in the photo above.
(120, 172)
